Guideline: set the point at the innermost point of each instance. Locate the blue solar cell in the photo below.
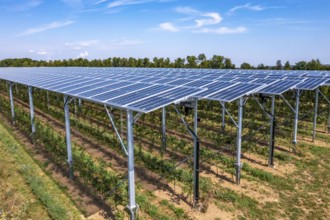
(311, 84)
(264, 81)
(103, 89)
(235, 92)
(90, 87)
(177, 92)
(164, 80)
(199, 83)
(151, 103)
(217, 86)
(279, 87)
(79, 84)
(180, 82)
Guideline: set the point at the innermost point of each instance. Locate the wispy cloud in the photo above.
(125, 42)
(100, 2)
(212, 18)
(222, 30)
(168, 26)
(74, 3)
(41, 52)
(25, 5)
(119, 3)
(53, 25)
(186, 10)
(247, 6)
(282, 21)
(81, 44)
(120, 44)
(127, 2)
(199, 22)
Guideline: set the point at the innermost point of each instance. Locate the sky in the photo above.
(259, 31)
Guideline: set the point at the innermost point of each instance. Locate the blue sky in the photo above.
(260, 31)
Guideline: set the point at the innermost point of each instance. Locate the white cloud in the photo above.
(214, 18)
(122, 43)
(99, 2)
(83, 54)
(204, 22)
(186, 10)
(53, 25)
(126, 42)
(41, 52)
(167, 26)
(247, 6)
(119, 3)
(222, 30)
(81, 44)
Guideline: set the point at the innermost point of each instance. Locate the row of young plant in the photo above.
(154, 161)
(215, 137)
(95, 178)
(150, 132)
(91, 172)
(180, 145)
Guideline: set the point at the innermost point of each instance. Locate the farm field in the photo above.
(296, 188)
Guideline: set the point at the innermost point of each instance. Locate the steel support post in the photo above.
(164, 128)
(12, 102)
(272, 134)
(315, 112)
(223, 116)
(121, 123)
(68, 134)
(75, 108)
(131, 178)
(296, 117)
(238, 164)
(196, 155)
(33, 127)
(329, 120)
(47, 100)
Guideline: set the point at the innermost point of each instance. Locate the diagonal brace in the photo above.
(324, 97)
(191, 132)
(288, 103)
(230, 116)
(116, 130)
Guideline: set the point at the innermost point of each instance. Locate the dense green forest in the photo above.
(200, 61)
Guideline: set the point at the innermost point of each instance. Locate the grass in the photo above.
(17, 200)
(58, 206)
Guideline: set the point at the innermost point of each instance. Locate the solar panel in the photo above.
(234, 92)
(263, 81)
(311, 84)
(279, 87)
(215, 87)
(148, 88)
(93, 87)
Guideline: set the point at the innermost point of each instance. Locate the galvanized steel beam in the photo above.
(68, 134)
(131, 174)
(315, 112)
(33, 128)
(12, 107)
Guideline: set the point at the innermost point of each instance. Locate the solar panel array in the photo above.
(147, 89)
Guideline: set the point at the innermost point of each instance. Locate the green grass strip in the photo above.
(57, 204)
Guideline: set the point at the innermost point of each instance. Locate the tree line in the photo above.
(200, 61)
